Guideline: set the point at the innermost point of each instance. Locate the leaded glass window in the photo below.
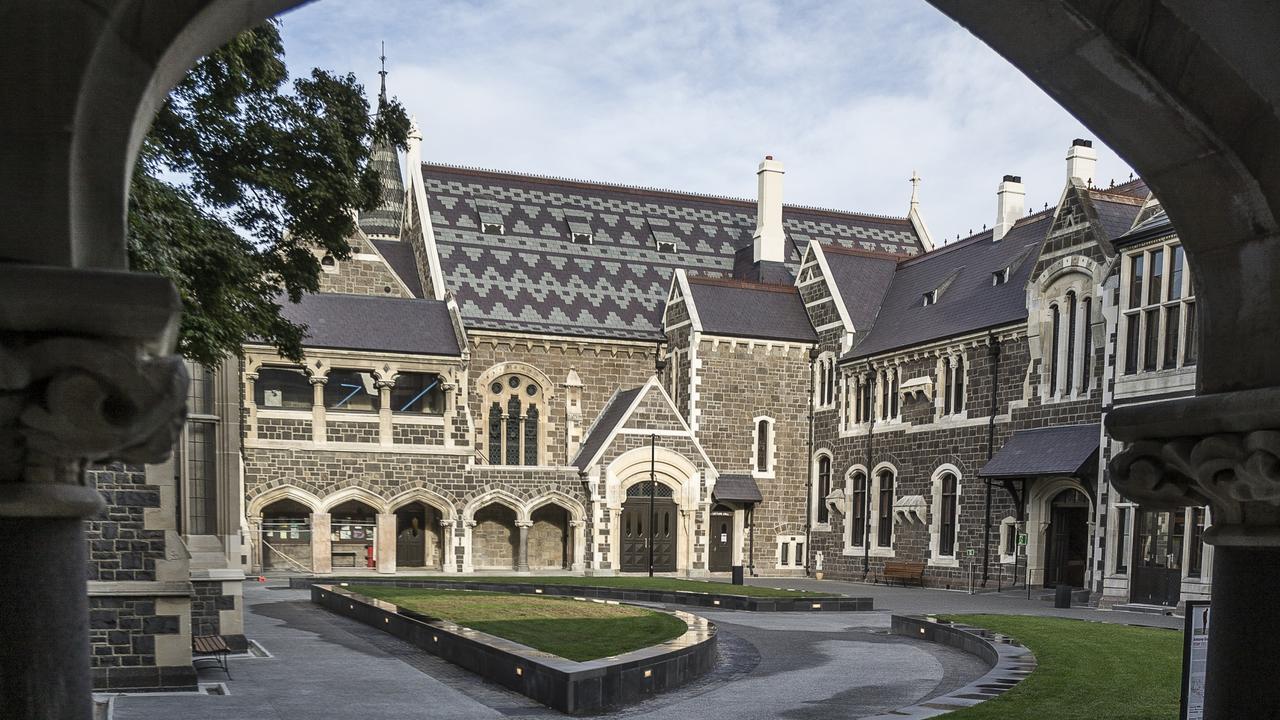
(515, 421)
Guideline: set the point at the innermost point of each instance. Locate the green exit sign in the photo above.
(969, 552)
(1022, 538)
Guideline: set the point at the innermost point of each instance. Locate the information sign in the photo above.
(1195, 656)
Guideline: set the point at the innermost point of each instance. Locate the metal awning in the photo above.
(1058, 450)
(737, 488)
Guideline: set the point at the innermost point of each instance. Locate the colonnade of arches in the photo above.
(293, 529)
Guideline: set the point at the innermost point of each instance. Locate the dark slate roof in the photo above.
(969, 302)
(1156, 225)
(1115, 212)
(1133, 188)
(376, 323)
(751, 310)
(737, 488)
(534, 278)
(606, 421)
(862, 279)
(399, 255)
(1058, 450)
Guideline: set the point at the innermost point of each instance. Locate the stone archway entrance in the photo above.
(495, 538)
(640, 528)
(1067, 546)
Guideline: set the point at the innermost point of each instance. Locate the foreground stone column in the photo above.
(1220, 450)
(522, 556)
(386, 543)
(321, 544)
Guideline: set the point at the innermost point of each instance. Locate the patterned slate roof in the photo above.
(751, 310)
(1058, 450)
(374, 323)
(862, 279)
(385, 219)
(968, 300)
(534, 278)
(399, 255)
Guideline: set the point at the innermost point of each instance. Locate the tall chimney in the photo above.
(769, 240)
(1082, 161)
(1010, 198)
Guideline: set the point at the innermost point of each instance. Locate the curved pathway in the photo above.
(772, 665)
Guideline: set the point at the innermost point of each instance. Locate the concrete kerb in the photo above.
(576, 688)
(1010, 663)
(717, 601)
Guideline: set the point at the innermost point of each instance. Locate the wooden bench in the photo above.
(903, 571)
(211, 647)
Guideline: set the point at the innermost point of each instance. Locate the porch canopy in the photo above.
(1058, 450)
(737, 488)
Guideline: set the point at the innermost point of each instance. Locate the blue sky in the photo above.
(851, 96)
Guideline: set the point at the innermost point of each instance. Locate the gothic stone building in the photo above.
(497, 376)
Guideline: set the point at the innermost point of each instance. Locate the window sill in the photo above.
(770, 475)
(945, 561)
(883, 552)
(820, 527)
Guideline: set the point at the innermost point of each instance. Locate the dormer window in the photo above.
(580, 231)
(492, 228)
(1000, 277)
(664, 241)
(491, 220)
(931, 298)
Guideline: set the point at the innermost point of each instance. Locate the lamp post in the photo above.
(653, 487)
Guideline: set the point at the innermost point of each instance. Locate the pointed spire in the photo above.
(917, 220)
(382, 93)
(384, 220)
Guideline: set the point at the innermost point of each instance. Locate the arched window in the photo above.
(948, 515)
(1052, 360)
(282, 388)
(824, 390)
(351, 390)
(858, 509)
(421, 393)
(513, 428)
(1068, 377)
(884, 514)
(764, 439)
(1086, 340)
(823, 489)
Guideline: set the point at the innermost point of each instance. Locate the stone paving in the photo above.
(772, 665)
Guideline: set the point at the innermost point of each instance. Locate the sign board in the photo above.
(1195, 657)
(1022, 539)
(969, 552)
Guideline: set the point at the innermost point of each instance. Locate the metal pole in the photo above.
(653, 486)
(808, 482)
(991, 441)
(752, 537)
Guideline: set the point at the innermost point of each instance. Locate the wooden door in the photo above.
(637, 531)
(721, 559)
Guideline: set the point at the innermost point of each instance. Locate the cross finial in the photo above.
(915, 188)
(382, 95)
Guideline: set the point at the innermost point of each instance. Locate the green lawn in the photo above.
(633, 583)
(572, 629)
(1086, 670)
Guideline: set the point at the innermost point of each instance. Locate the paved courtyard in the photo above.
(828, 665)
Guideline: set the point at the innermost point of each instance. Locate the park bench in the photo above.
(903, 571)
(211, 647)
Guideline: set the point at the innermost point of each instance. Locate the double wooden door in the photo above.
(638, 532)
(1157, 561)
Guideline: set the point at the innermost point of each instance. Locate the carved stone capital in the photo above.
(85, 376)
(1228, 465)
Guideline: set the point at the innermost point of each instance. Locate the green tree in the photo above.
(242, 179)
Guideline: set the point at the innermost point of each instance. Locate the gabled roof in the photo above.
(1156, 225)
(534, 278)
(735, 308)
(970, 301)
(374, 323)
(1115, 211)
(620, 409)
(399, 255)
(862, 279)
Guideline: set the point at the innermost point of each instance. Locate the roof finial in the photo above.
(382, 95)
(915, 188)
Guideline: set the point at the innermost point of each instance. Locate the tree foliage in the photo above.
(243, 180)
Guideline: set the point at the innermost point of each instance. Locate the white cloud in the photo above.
(689, 96)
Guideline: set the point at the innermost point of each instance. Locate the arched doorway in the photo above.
(1067, 549)
(494, 539)
(549, 538)
(353, 535)
(642, 529)
(721, 555)
(286, 536)
(418, 537)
